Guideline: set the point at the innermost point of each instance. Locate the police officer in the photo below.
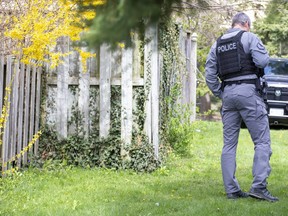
(232, 74)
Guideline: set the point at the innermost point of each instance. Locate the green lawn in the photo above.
(185, 186)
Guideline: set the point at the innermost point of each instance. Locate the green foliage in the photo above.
(180, 131)
(138, 112)
(142, 155)
(175, 119)
(207, 33)
(115, 20)
(77, 150)
(95, 152)
(273, 29)
(172, 65)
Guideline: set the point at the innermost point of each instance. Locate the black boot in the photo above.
(238, 194)
(262, 193)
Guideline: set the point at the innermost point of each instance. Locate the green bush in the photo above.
(180, 131)
(142, 156)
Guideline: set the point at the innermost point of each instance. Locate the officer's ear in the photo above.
(248, 23)
(247, 26)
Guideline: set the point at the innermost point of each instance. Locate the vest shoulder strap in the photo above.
(234, 38)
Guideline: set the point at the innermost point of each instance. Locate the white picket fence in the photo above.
(121, 67)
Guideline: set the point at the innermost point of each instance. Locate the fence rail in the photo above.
(21, 85)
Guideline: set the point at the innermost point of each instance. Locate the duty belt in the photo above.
(238, 82)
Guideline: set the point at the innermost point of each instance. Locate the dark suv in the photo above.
(276, 78)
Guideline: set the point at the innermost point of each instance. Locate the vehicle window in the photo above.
(276, 67)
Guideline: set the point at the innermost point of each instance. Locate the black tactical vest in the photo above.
(232, 61)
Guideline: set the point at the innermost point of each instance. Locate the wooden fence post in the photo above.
(37, 108)
(21, 109)
(151, 65)
(26, 110)
(6, 134)
(1, 81)
(126, 96)
(1, 94)
(187, 97)
(105, 90)
(191, 77)
(32, 105)
(188, 47)
(183, 73)
(62, 91)
(155, 88)
(147, 84)
(14, 108)
(193, 74)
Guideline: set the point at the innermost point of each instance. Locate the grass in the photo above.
(185, 186)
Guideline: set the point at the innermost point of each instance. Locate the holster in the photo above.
(261, 87)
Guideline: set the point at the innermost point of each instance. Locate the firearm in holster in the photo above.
(264, 88)
(261, 84)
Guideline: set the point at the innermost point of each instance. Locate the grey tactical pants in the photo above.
(242, 101)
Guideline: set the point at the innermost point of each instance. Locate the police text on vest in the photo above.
(227, 47)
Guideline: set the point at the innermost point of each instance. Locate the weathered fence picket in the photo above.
(126, 93)
(152, 75)
(21, 109)
(24, 110)
(37, 106)
(188, 47)
(147, 78)
(193, 75)
(1, 80)
(105, 90)
(32, 105)
(62, 90)
(84, 97)
(14, 106)
(6, 134)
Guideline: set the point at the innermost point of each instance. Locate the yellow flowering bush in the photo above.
(36, 25)
(33, 28)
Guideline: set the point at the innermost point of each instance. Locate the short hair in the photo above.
(241, 18)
